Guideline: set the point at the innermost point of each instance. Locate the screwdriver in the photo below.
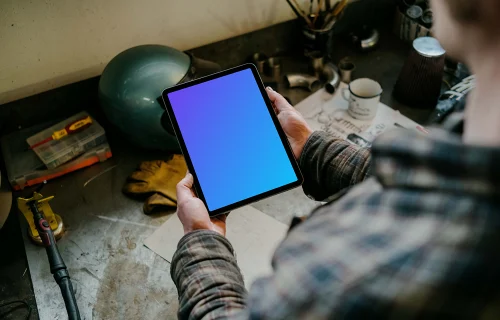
(73, 127)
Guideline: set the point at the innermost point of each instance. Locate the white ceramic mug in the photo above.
(363, 96)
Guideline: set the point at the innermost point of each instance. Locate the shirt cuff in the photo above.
(200, 235)
(306, 164)
(310, 147)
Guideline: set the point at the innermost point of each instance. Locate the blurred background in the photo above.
(50, 43)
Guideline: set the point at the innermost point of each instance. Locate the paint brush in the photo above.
(294, 9)
(337, 10)
(320, 6)
(301, 13)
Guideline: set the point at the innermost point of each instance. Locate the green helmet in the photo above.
(130, 91)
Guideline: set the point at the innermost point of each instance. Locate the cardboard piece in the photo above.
(253, 234)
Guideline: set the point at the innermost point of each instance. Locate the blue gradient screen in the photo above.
(231, 139)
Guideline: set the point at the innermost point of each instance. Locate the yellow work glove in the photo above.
(157, 179)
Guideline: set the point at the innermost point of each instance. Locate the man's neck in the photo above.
(482, 119)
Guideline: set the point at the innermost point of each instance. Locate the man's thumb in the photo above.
(278, 100)
(184, 187)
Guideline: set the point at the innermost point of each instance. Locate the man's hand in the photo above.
(296, 128)
(192, 211)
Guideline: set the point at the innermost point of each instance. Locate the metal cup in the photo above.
(259, 59)
(317, 62)
(346, 69)
(274, 65)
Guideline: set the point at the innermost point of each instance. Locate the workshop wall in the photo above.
(50, 43)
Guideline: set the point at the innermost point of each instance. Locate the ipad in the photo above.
(231, 139)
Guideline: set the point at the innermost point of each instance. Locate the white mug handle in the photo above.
(344, 91)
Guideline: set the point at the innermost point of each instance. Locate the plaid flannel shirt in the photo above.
(418, 240)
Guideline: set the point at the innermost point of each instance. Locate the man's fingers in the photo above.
(278, 100)
(184, 188)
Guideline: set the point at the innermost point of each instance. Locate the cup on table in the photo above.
(363, 96)
(260, 59)
(346, 69)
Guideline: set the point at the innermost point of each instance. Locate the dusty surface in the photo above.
(123, 282)
(114, 275)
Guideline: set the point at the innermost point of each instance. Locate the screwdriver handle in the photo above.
(73, 127)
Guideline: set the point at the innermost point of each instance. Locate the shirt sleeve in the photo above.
(207, 277)
(330, 165)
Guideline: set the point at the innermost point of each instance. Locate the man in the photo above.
(418, 239)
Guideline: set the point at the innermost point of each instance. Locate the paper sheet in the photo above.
(325, 112)
(253, 234)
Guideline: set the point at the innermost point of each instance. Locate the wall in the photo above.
(49, 43)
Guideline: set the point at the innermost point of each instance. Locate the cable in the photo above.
(56, 262)
(18, 302)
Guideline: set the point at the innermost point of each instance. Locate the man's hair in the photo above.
(484, 12)
(464, 10)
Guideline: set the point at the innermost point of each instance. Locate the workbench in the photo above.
(114, 275)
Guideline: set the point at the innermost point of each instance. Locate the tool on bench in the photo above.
(44, 228)
(306, 81)
(74, 127)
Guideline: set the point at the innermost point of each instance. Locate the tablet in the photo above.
(231, 139)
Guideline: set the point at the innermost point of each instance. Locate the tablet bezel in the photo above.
(277, 125)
